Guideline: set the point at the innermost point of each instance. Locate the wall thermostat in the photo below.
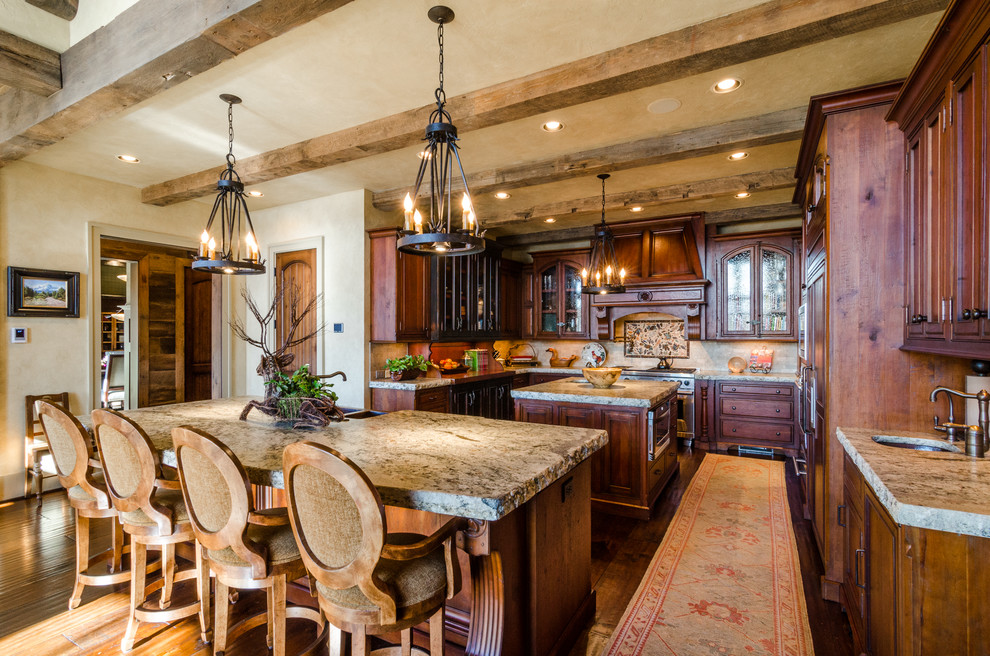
(18, 335)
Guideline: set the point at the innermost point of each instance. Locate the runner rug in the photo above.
(726, 579)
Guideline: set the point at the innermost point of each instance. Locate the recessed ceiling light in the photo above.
(122, 277)
(255, 193)
(549, 219)
(742, 194)
(663, 106)
(502, 195)
(114, 263)
(423, 154)
(735, 157)
(727, 85)
(553, 126)
(130, 159)
(637, 208)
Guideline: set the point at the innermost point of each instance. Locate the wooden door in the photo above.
(295, 272)
(202, 304)
(161, 329)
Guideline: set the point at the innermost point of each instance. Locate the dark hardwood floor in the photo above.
(36, 574)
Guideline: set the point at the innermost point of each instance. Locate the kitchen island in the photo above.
(640, 416)
(525, 490)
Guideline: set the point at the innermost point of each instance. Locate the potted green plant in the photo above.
(303, 394)
(407, 367)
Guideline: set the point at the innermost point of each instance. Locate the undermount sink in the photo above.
(358, 413)
(916, 444)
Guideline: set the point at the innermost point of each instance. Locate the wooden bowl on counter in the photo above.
(601, 377)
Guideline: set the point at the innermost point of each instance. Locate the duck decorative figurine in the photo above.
(560, 362)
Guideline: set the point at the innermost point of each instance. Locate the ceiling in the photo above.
(371, 59)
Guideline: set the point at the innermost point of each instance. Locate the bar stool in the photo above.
(153, 513)
(245, 548)
(82, 477)
(367, 581)
(36, 452)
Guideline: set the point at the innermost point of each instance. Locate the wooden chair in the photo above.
(82, 477)
(367, 581)
(245, 548)
(153, 513)
(38, 463)
(113, 392)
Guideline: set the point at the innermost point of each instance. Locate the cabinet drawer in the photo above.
(785, 390)
(738, 429)
(432, 400)
(772, 409)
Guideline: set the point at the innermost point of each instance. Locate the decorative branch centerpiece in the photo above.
(300, 397)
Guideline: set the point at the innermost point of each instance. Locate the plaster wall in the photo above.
(46, 222)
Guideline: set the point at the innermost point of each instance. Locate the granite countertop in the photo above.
(436, 381)
(772, 377)
(635, 393)
(448, 464)
(927, 489)
(576, 371)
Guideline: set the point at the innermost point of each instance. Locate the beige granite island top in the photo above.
(442, 463)
(927, 489)
(635, 393)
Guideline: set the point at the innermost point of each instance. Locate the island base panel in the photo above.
(526, 578)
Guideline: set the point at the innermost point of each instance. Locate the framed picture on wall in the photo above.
(42, 293)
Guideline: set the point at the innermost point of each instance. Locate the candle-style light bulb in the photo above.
(471, 220)
(598, 278)
(622, 276)
(418, 221)
(465, 211)
(608, 275)
(212, 249)
(252, 247)
(584, 276)
(203, 241)
(407, 211)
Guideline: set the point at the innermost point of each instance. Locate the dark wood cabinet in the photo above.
(467, 296)
(400, 298)
(560, 310)
(756, 282)
(942, 109)
(491, 399)
(628, 474)
(430, 399)
(755, 413)
(510, 299)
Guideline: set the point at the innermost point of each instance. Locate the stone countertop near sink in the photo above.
(634, 393)
(772, 377)
(574, 371)
(428, 382)
(442, 463)
(933, 490)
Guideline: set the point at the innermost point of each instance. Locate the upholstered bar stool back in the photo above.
(368, 582)
(245, 548)
(153, 512)
(82, 478)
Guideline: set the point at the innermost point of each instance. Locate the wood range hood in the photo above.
(664, 262)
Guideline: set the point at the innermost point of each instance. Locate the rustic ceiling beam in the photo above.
(65, 9)
(752, 132)
(28, 66)
(767, 29)
(755, 213)
(715, 188)
(149, 48)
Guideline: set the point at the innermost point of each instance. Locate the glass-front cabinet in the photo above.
(561, 309)
(755, 278)
(467, 291)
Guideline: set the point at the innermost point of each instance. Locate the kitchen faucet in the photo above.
(976, 436)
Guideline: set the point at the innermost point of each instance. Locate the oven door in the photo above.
(685, 416)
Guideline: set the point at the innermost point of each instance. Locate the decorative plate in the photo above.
(593, 355)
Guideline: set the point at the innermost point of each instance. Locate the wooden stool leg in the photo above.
(82, 558)
(436, 633)
(118, 545)
(222, 618)
(168, 575)
(270, 610)
(139, 569)
(335, 641)
(278, 615)
(360, 642)
(203, 579)
(406, 638)
(39, 479)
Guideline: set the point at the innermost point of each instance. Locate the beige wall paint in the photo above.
(46, 221)
(339, 222)
(94, 15)
(34, 24)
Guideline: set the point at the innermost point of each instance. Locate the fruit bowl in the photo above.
(446, 371)
(601, 377)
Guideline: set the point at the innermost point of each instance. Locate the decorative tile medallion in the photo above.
(660, 338)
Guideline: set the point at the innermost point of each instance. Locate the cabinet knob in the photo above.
(966, 315)
(979, 314)
(778, 433)
(733, 430)
(733, 389)
(778, 391)
(733, 407)
(778, 410)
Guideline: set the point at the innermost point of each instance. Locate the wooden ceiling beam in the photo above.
(149, 48)
(28, 66)
(752, 132)
(766, 29)
(755, 213)
(715, 188)
(65, 9)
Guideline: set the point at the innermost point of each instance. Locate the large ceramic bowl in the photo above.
(601, 377)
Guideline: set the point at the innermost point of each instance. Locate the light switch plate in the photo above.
(18, 335)
(338, 327)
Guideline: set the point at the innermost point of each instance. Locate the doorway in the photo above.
(296, 274)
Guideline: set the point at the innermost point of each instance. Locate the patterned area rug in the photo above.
(726, 580)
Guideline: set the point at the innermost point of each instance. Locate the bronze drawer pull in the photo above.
(778, 433)
(778, 410)
(733, 407)
(733, 430)
(778, 391)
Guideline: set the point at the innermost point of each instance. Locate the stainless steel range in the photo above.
(685, 394)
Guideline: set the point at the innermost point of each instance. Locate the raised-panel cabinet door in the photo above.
(626, 446)
(535, 412)
(881, 576)
(934, 255)
(915, 260)
(855, 565)
(738, 316)
(412, 304)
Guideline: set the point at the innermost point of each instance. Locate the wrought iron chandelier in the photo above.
(605, 276)
(232, 217)
(441, 232)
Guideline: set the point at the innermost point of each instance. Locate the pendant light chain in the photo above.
(231, 160)
(441, 96)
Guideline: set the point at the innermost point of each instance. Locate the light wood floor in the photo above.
(37, 555)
